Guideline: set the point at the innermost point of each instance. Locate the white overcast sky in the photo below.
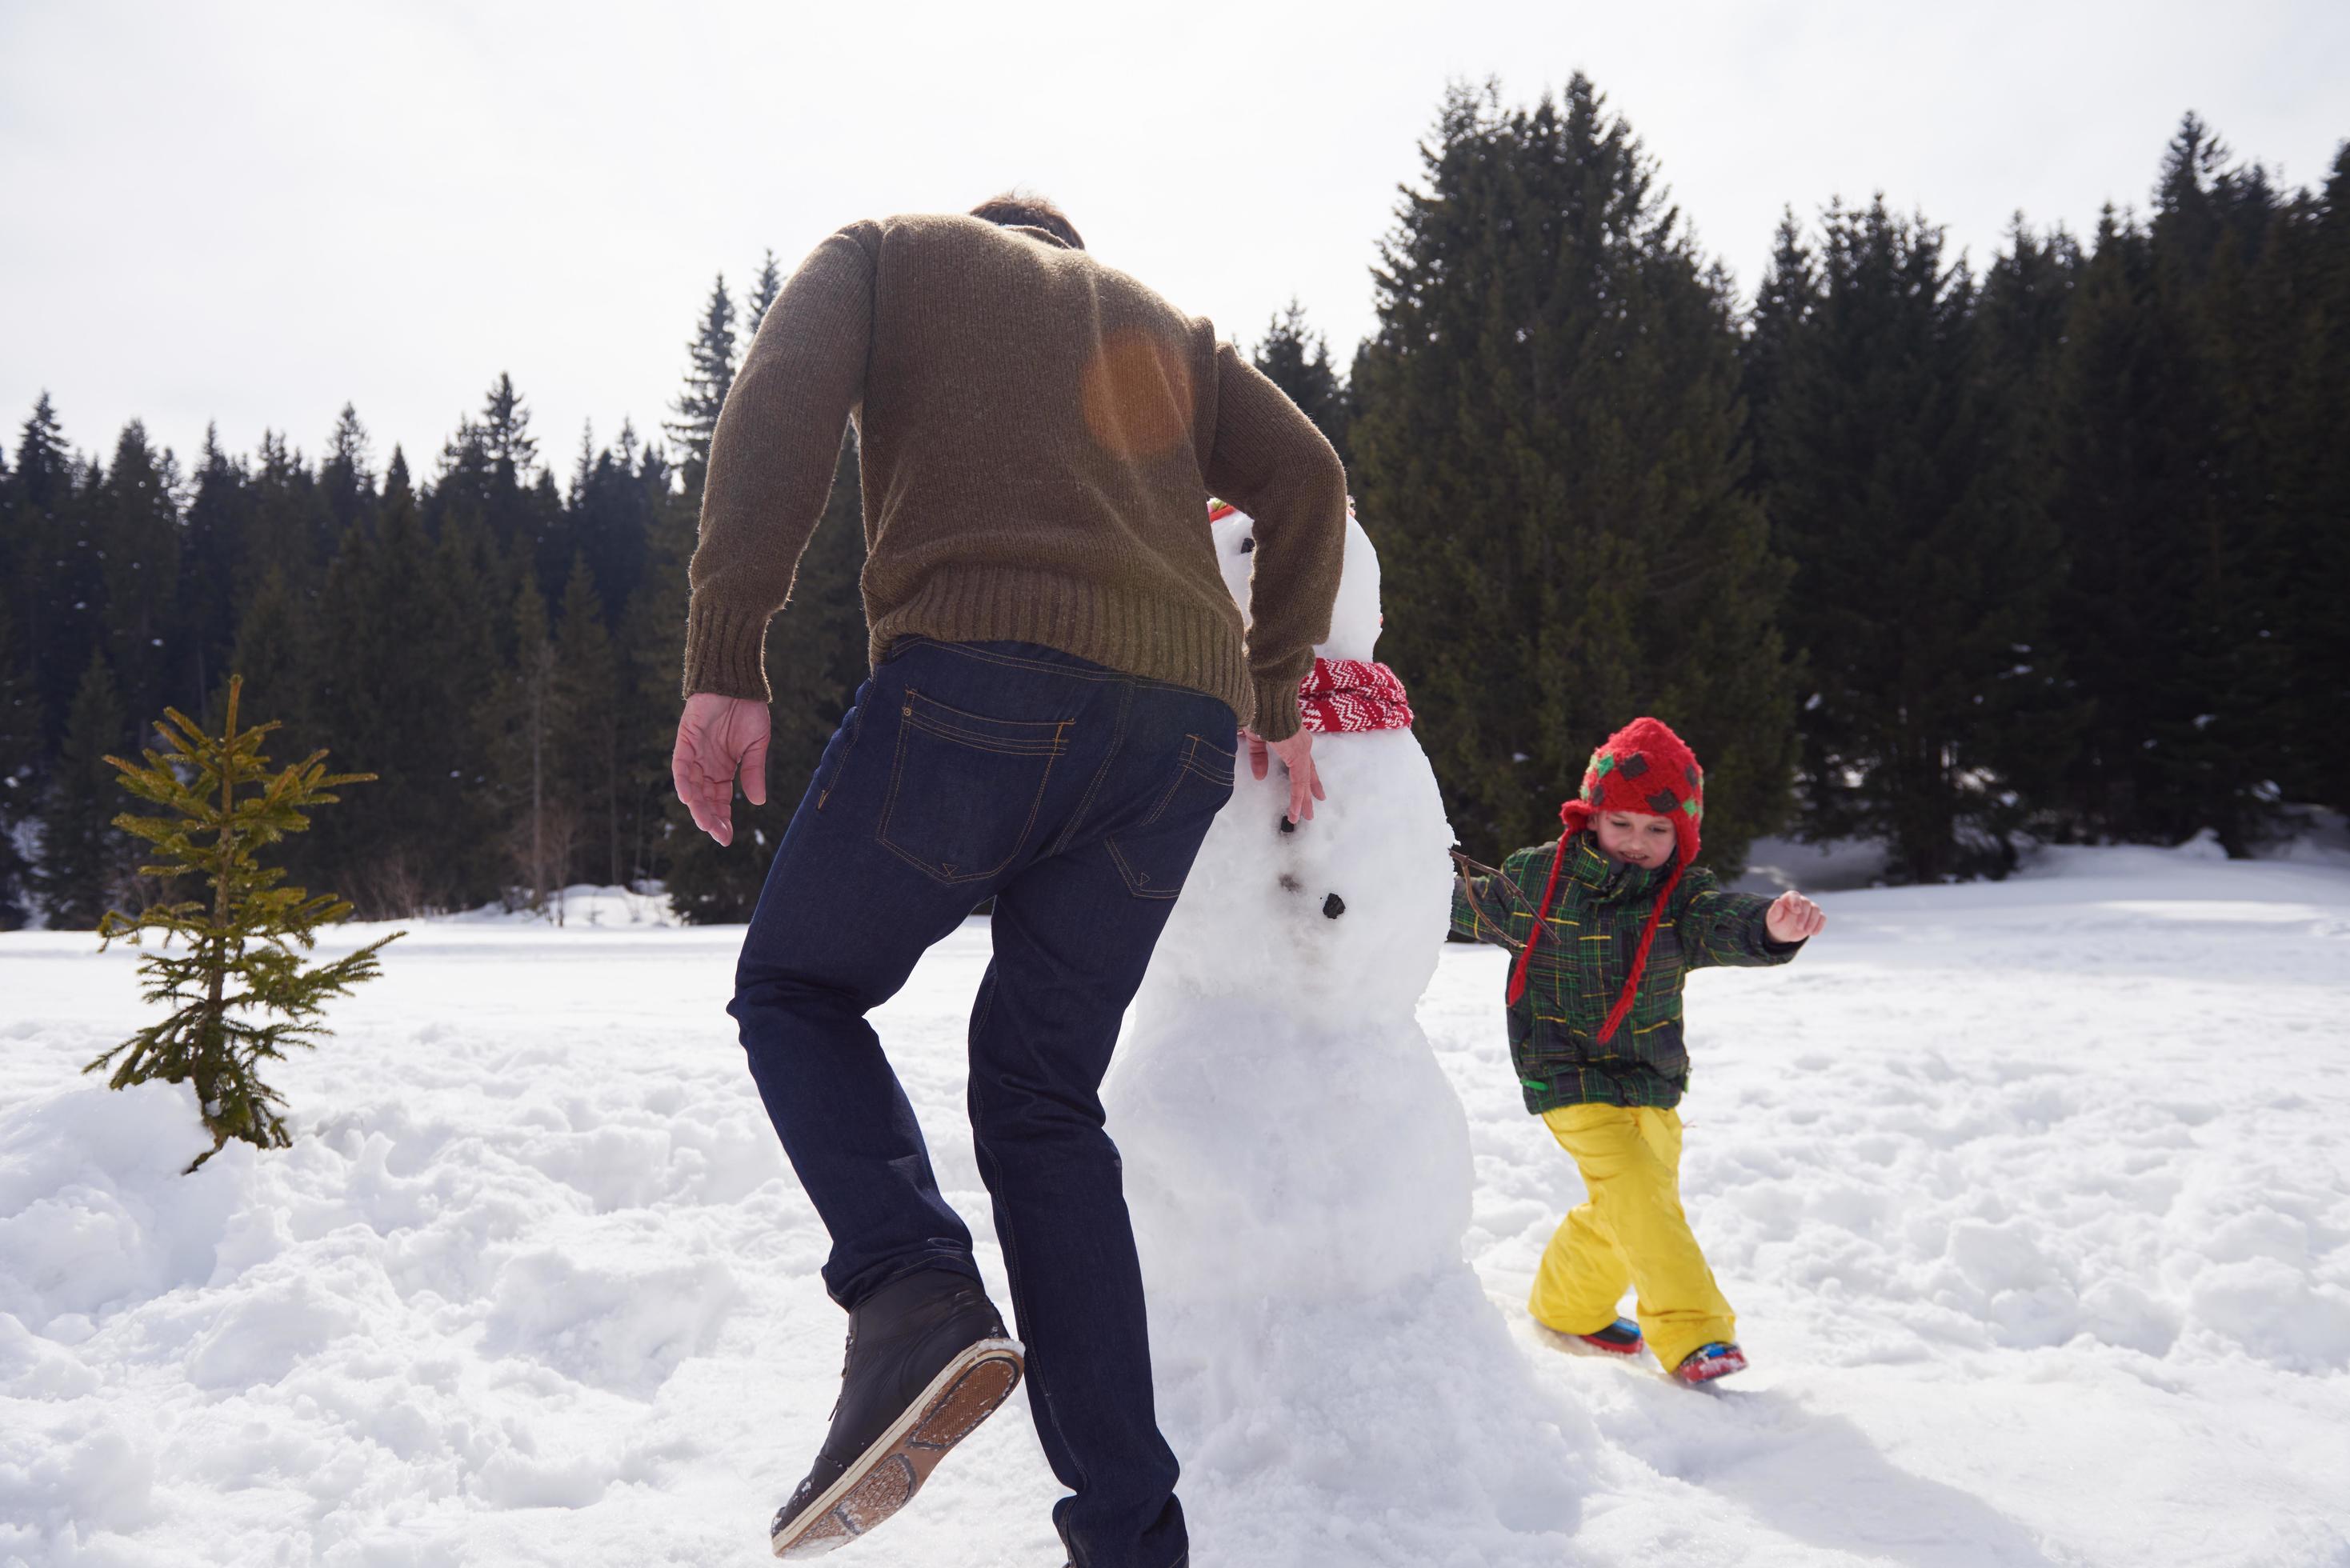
(249, 213)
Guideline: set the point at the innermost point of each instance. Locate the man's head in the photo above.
(1014, 210)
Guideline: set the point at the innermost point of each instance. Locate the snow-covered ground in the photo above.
(2034, 1198)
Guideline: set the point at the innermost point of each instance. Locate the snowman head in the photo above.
(1333, 914)
(1353, 618)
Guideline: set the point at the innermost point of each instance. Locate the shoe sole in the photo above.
(1584, 1342)
(1587, 1344)
(885, 1477)
(1728, 1365)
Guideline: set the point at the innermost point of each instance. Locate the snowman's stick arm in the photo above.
(1471, 873)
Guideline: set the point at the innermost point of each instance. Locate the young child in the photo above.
(1595, 1011)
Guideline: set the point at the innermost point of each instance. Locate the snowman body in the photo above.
(1300, 1177)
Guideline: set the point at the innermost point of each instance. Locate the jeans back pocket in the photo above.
(965, 788)
(1155, 855)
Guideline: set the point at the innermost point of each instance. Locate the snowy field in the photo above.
(2033, 1196)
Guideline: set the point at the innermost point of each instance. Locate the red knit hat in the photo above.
(1643, 767)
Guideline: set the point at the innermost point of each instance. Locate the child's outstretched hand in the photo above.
(1791, 918)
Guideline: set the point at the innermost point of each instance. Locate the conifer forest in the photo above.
(1953, 553)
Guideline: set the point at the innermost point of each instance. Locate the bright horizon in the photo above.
(253, 215)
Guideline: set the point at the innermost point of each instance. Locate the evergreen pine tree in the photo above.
(135, 525)
(1549, 458)
(651, 629)
(2115, 378)
(2314, 496)
(397, 655)
(346, 478)
(56, 588)
(613, 513)
(488, 487)
(84, 860)
(212, 540)
(473, 590)
(764, 291)
(1783, 307)
(522, 718)
(290, 527)
(243, 962)
(710, 372)
(274, 648)
(588, 738)
(12, 545)
(506, 432)
(38, 488)
(1297, 360)
(2180, 579)
(20, 755)
(1922, 554)
(463, 493)
(2030, 715)
(2213, 221)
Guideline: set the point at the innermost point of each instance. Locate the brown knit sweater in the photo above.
(1037, 437)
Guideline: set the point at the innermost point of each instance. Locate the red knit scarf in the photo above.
(1348, 696)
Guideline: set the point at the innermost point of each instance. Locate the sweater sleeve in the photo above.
(1722, 928)
(771, 460)
(1269, 460)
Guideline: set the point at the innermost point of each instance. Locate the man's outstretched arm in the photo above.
(772, 459)
(771, 468)
(1269, 460)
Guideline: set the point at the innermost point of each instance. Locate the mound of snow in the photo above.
(2032, 1196)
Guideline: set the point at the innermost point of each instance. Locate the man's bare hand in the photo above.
(717, 738)
(1297, 754)
(1791, 918)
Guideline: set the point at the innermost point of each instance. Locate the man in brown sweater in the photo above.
(1059, 683)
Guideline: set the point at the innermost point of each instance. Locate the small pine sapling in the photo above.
(241, 992)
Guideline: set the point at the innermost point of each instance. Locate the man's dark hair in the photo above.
(1030, 212)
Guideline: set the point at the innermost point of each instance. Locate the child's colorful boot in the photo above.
(1708, 1362)
(1621, 1337)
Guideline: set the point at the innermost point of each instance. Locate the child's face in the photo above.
(1634, 837)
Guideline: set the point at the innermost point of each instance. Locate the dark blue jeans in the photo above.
(1077, 798)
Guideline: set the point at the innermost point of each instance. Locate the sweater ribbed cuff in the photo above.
(1276, 707)
(725, 651)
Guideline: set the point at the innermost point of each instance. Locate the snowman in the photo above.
(1298, 1168)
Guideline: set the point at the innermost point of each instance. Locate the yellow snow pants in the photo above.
(1631, 1232)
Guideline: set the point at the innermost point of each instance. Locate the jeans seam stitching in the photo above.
(880, 833)
(1202, 741)
(1093, 786)
(965, 651)
(1126, 871)
(918, 701)
(1166, 799)
(847, 753)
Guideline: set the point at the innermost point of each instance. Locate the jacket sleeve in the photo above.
(1493, 907)
(1268, 460)
(771, 460)
(1722, 928)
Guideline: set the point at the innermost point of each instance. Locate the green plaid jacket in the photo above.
(1579, 965)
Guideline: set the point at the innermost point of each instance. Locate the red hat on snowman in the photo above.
(1642, 767)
